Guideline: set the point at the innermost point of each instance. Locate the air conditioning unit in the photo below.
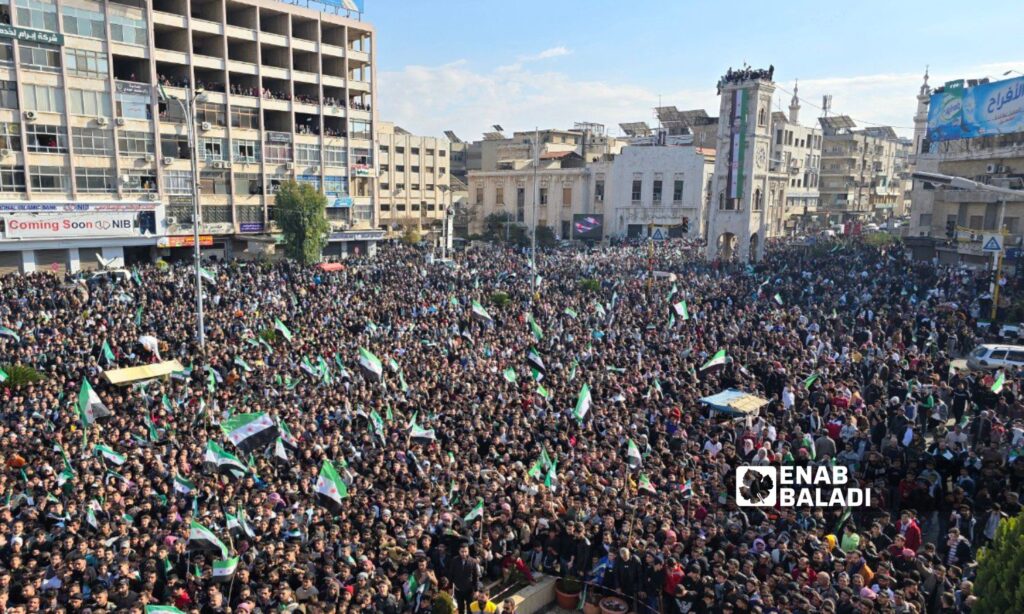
(102, 121)
(152, 196)
(226, 164)
(314, 169)
(120, 121)
(5, 152)
(290, 166)
(31, 115)
(170, 220)
(218, 164)
(205, 126)
(168, 161)
(150, 158)
(991, 168)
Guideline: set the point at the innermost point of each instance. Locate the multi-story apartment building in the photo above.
(796, 152)
(96, 157)
(860, 175)
(415, 173)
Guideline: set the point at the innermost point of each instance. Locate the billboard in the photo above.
(66, 225)
(588, 227)
(960, 112)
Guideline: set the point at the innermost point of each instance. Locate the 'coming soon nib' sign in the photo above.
(789, 486)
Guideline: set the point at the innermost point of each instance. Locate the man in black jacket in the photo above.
(464, 572)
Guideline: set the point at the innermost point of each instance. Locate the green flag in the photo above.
(510, 375)
(108, 354)
(281, 328)
(582, 403)
(90, 407)
(997, 386)
(813, 377)
(717, 360)
(534, 328)
(138, 316)
(681, 310)
(543, 392)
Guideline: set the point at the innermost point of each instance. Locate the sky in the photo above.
(465, 65)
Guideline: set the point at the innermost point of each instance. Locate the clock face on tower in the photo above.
(761, 157)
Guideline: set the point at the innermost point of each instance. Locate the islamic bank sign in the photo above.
(960, 112)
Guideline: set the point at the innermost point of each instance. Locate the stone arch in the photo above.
(727, 246)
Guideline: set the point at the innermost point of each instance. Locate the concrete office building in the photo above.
(796, 152)
(414, 179)
(95, 162)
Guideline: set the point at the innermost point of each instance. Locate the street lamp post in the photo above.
(536, 197)
(963, 183)
(190, 123)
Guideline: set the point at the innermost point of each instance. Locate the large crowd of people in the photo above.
(470, 462)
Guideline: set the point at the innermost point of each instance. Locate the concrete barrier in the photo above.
(536, 597)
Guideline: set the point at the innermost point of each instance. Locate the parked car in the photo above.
(995, 356)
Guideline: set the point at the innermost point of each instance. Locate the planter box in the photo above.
(536, 597)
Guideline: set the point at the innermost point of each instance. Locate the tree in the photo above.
(546, 237)
(411, 236)
(502, 227)
(1000, 582)
(300, 211)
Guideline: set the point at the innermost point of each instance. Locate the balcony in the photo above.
(167, 19)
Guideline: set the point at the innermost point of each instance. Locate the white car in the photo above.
(995, 356)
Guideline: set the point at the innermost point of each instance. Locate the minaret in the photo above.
(924, 96)
(794, 106)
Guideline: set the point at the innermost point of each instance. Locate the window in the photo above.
(85, 63)
(415, 151)
(566, 197)
(212, 150)
(244, 117)
(92, 141)
(657, 191)
(43, 98)
(213, 182)
(217, 214)
(10, 136)
(210, 112)
(399, 150)
(89, 102)
(6, 53)
(337, 184)
(37, 15)
(8, 95)
(925, 219)
(82, 21)
(359, 129)
(761, 117)
(415, 169)
(442, 153)
(638, 188)
(48, 178)
(47, 139)
(599, 190)
(277, 152)
(245, 151)
(133, 106)
(399, 168)
(40, 57)
(174, 146)
(307, 154)
(178, 182)
(313, 180)
(384, 168)
(95, 180)
(247, 184)
(274, 183)
(976, 222)
(758, 198)
(415, 187)
(499, 196)
(12, 179)
(125, 28)
(1012, 224)
(140, 181)
(362, 157)
(135, 143)
(778, 137)
(480, 196)
(335, 156)
(677, 191)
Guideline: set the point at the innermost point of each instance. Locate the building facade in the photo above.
(94, 131)
(415, 174)
(796, 152)
(658, 188)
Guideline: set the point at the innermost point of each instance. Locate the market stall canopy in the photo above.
(735, 402)
(130, 375)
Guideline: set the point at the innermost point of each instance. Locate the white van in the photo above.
(995, 356)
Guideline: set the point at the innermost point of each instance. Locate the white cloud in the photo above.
(455, 96)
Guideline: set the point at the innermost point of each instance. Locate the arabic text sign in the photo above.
(982, 110)
(31, 36)
(60, 225)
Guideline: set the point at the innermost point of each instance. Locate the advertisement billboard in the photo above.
(983, 110)
(588, 227)
(67, 225)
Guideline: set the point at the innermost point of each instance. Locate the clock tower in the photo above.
(741, 190)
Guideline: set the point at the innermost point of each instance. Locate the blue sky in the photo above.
(466, 65)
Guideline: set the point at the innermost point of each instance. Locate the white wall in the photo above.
(651, 163)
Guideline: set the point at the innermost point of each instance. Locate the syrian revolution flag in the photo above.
(163, 609)
(536, 362)
(281, 328)
(207, 275)
(778, 298)
(645, 484)
(90, 407)
(534, 327)
(182, 485)
(582, 403)
(109, 454)
(633, 456)
(371, 365)
(224, 460)
(681, 310)
(250, 432)
(571, 313)
(238, 526)
(7, 332)
(420, 434)
(476, 512)
(108, 354)
(330, 489)
(997, 386)
(223, 570)
(286, 435)
(201, 538)
(480, 313)
(813, 377)
(509, 375)
(717, 360)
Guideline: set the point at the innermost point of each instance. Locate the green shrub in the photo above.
(1000, 582)
(19, 375)
(500, 299)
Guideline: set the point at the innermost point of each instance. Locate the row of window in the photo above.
(636, 192)
(384, 207)
(400, 150)
(127, 25)
(400, 168)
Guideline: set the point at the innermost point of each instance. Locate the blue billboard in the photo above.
(983, 110)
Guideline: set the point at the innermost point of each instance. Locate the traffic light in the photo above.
(951, 229)
(686, 225)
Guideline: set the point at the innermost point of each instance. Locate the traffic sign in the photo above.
(658, 234)
(992, 243)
